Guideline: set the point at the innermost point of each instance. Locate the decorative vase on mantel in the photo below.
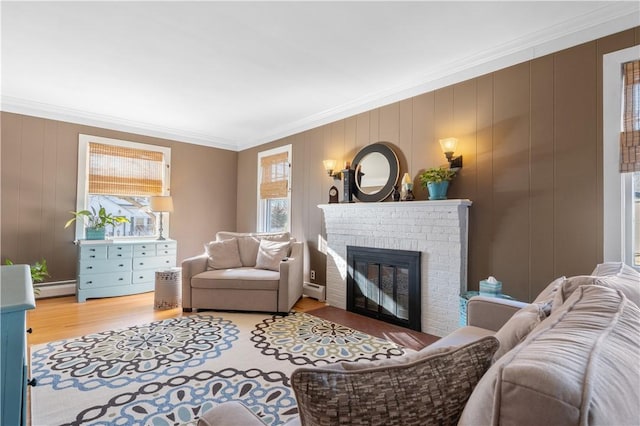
(438, 190)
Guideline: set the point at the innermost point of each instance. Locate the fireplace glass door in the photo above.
(384, 284)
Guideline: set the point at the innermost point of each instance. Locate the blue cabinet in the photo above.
(116, 268)
(16, 296)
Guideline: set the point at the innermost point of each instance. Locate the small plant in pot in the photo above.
(436, 180)
(96, 221)
(39, 271)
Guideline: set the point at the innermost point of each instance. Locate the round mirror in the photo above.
(376, 172)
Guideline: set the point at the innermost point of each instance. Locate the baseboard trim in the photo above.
(56, 289)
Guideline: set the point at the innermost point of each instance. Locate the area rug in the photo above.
(169, 372)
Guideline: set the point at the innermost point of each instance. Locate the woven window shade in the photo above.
(117, 170)
(630, 135)
(275, 176)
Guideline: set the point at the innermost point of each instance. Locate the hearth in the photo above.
(385, 284)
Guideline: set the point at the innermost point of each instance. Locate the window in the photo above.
(621, 153)
(274, 190)
(630, 160)
(121, 176)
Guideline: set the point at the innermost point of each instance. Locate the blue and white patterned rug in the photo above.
(170, 371)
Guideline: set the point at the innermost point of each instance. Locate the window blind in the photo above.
(117, 170)
(630, 135)
(275, 176)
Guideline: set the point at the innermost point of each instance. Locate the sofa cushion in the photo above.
(519, 326)
(549, 292)
(237, 279)
(431, 390)
(614, 268)
(579, 366)
(223, 254)
(248, 248)
(271, 253)
(630, 286)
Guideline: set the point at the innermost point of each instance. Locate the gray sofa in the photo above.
(244, 272)
(571, 357)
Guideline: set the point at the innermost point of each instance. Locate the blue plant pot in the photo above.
(438, 190)
(95, 234)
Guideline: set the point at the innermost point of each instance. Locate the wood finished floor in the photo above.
(64, 318)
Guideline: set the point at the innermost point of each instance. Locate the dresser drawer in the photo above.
(102, 266)
(166, 251)
(155, 263)
(144, 250)
(166, 245)
(93, 252)
(104, 280)
(143, 276)
(120, 252)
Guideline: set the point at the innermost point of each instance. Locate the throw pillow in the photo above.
(431, 390)
(273, 236)
(519, 326)
(223, 254)
(629, 285)
(271, 253)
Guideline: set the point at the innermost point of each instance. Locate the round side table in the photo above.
(168, 289)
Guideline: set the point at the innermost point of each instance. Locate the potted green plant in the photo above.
(436, 180)
(39, 271)
(96, 221)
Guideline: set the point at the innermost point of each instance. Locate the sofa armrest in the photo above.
(290, 289)
(190, 267)
(230, 413)
(491, 313)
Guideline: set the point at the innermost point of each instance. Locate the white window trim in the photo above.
(616, 237)
(83, 177)
(260, 217)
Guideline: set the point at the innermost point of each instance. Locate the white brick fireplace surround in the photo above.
(437, 229)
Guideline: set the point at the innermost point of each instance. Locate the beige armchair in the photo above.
(244, 272)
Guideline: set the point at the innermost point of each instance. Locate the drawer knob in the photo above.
(32, 382)
(92, 249)
(143, 253)
(29, 330)
(92, 256)
(89, 282)
(120, 279)
(141, 277)
(89, 267)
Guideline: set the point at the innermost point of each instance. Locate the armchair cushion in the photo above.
(223, 254)
(271, 253)
(628, 284)
(431, 390)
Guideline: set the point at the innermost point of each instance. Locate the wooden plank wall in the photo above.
(531, 136)
(38, 189)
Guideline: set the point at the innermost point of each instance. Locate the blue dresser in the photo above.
(116, 268)
(16, 296)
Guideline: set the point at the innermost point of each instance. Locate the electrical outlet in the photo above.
(313, 274)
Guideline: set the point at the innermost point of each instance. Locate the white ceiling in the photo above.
(238, 74)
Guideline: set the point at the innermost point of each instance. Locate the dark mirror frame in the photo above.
(394, 172)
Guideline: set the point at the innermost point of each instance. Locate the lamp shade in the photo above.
(329, 165)
(449, 144)
(161, 204)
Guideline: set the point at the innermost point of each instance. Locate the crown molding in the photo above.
(607, 20)
(55, 112)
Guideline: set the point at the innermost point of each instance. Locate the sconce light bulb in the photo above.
(449, 145)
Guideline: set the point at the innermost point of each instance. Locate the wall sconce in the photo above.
(330, 166)
(449, 146)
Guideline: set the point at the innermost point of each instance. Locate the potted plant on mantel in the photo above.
(436, 180)
(96, 221)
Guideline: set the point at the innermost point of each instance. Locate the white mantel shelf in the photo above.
(396, 204)
(437, 229)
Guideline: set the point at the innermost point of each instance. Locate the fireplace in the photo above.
(437, 229)
(384, 284)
